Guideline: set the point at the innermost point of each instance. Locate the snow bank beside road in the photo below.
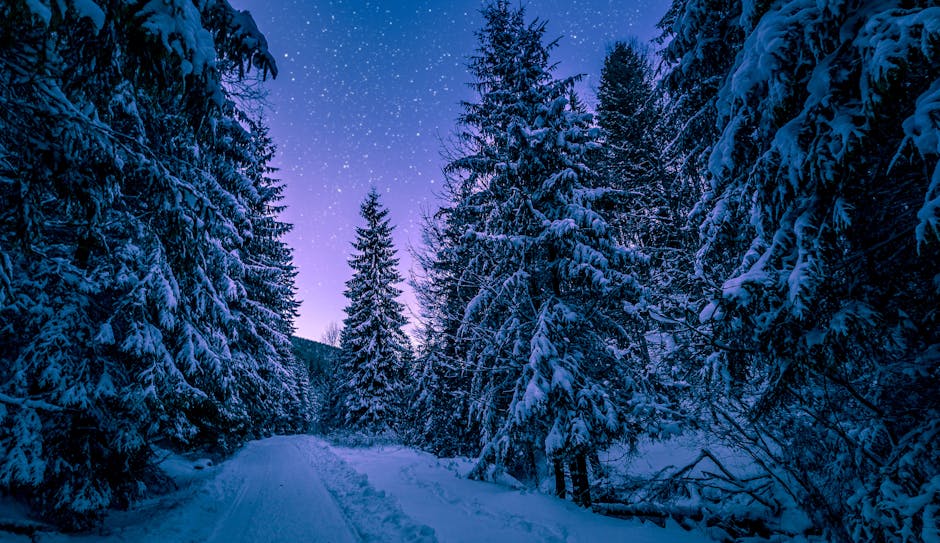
(430, 491)
(300, 489)
(376, 516)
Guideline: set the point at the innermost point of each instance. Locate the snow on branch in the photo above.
(29, 403)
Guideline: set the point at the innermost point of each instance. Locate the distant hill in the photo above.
(319, 357)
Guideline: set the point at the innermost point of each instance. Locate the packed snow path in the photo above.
(300, 489)
(279, 498)
(289, 489)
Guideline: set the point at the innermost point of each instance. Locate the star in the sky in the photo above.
(368, 91)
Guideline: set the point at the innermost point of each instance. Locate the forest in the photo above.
(740, 242)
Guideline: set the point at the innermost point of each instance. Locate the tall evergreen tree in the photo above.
(651, 206)
(375, 348)
(818, 234)
(269, 303)
(440, 403)
(703, 36)
(550, 335)
(627, 114)
(125, 221)
(631, 158)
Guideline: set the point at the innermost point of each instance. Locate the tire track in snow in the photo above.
(375, 515)
(287, 489)
(279, 498)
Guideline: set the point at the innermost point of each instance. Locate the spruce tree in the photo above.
(551, 334)
(627, 113)
(818, 236)
(125, 226)
(375, 348)
(440, 400)
(269, 303)
(651, 206)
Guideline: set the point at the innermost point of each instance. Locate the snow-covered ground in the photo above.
(432, 492)
(300, 489)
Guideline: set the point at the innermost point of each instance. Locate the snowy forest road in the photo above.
(282, 489)
(301, 489)
(280, 498)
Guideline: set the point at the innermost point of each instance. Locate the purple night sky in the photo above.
(367, 92)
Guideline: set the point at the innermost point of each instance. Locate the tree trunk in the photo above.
(579, 480)
(560, 489)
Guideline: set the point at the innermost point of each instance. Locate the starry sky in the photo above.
(367, 94)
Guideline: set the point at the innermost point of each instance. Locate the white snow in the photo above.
(178, 24)
(40, 9)
(89, 9)
(432, 491)
(281, 489)
(299, 488)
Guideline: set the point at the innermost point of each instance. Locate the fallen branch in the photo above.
(688, 517)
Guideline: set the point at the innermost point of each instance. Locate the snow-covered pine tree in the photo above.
(631, 157)
(440, 405)
(652, 206)
(627, 114)
(703, 36)
(552, 333)
(375, 348)
(124, 225)
(269, 303)
(819, 232)
(428, 420)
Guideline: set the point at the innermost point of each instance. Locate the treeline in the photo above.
(764, 203)
(146, 295)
